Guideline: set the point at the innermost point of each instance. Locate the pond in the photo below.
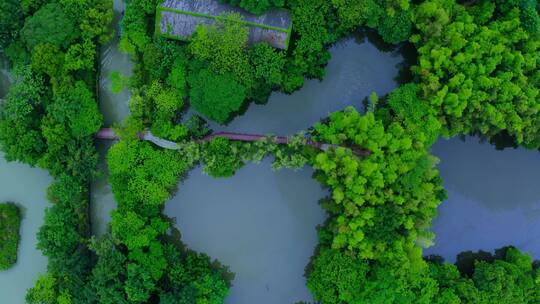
(260, 223)
(27, 187)
(493, 198)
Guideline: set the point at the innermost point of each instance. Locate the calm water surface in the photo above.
(27, 187)
(262, 223)
(355, 71)
(493, 198)
(114, 107)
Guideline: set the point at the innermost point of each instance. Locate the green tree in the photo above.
(224, 46)
(48, 59)
(506, 277)
(76, 107)
(480, 78)
(336, 277)
(108, 272)
(257, 6)
(44, 291)
(80, 56)
(9, 231)
(364, 216)
(220, 158)
(268, 63)
(216, 96)
(118, 81)
(50, 24)
(11, 21)
(142, 175)
(20, 118)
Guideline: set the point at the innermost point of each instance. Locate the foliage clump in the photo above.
(142, 178)
(10, 221)
(478, 68)
(49, 119)
(216, 96)
(385, 201)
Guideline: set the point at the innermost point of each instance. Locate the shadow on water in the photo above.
(101, 194)
(498, 179)
(114, 107)
(465, 261)
(493, 198)
(175, 238)
(260, 223)
(354, 72)
(5, 76)
(406, 50)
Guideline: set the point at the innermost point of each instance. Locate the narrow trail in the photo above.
(108, 133)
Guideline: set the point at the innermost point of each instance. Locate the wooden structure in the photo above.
(178, 19)
(108, 133)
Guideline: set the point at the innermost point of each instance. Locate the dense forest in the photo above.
(477, 72)
(48, 120)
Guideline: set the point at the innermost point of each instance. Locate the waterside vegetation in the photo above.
(10, 222)
(477, 73)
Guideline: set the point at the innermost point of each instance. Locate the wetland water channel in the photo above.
(262, 223)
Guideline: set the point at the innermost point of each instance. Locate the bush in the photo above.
(10, 221)
(216, 96)
(220, 159)
(50, 24)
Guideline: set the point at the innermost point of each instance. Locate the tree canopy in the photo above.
(478, 68)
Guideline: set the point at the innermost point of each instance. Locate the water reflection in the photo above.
(114, 107)
(354, 71)
(493, 198)
(102, 197)
(260, 223)
(497, 179)
(5, 76)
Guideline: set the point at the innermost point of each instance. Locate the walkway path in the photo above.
(108, 133)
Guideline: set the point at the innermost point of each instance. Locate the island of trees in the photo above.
(477, 72)
(10, 221)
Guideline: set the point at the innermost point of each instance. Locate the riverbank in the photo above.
(493, 198)
(28, 187)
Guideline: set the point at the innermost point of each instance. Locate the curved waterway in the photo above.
(261, 223)
(27, 187)
(355, 71)
(493, 199)
(114, 107)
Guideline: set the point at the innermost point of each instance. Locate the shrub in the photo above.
(10, 221)
(216, 96)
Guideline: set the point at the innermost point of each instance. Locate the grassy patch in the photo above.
(10, 220)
